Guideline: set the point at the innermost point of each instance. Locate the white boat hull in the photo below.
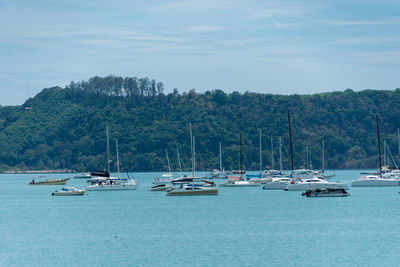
(111, 187)
(275, 185)
(160, 188)
(375, 182)
(239, 184)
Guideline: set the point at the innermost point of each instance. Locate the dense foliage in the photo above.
(65, 127)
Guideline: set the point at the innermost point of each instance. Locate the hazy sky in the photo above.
(279, 46)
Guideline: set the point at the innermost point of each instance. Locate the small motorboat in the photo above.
(50, 182)
(329, 192)
(160, 187)
(69, 191)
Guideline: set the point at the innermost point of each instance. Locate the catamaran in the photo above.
(376, 180)
(192, 190)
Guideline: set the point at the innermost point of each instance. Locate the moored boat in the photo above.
(278, 183)
(329, 192)
(314, 183)
(239, 183)
(160, 187)
(237, 180)
(49, 182)
(110, 185)
(69, 191)
(374, 181)
(192, 191)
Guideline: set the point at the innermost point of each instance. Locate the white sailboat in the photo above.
(376, 180)
(271, 175)
(314, 183)
(166, 177)
(258, 177)
(101, 180)
(219, 173)
(280, 182)
(193, 190)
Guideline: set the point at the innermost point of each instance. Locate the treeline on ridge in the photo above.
(65, 127)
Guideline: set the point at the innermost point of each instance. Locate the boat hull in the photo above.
(159, 188)
(306, 186)
(76, 193)
(51, 182)
(325, 194)
(275, 186)
(375, 182)
(239, 185)
(189, 192)
(112, 187)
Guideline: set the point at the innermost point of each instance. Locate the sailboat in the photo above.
(257, 177)
(101, 180)
(219, 173)
(313, 182)
(376, 180)
(283, 181)
(322, 172)
(192, 189)
(167, 177)
(237, 181)
(164, 183)
(271, 174)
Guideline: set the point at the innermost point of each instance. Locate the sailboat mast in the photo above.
(291, 145)
(323, 156)
(191, 147)
(220, 157)
(108, 149)
(169, 166)
(179, 161)
(384, 154)
(194, 156)
(379, 146)
(260, 154)
(280, 154)
(307, 156)
(116, 144)
(272, 154)
(398, 138)
(241, 162)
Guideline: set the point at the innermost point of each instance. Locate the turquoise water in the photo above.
(240, 227)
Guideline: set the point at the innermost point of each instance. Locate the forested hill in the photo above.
(65, 127)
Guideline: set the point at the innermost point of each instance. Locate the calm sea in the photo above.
(239, 227)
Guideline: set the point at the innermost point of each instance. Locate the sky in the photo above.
(280, 46)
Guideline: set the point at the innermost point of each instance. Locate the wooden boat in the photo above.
(50, 182)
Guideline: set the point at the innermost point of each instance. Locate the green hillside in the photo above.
(65, 127)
